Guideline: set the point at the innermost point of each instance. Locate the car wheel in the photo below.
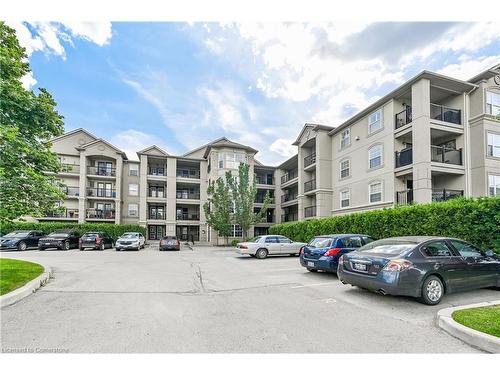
(81, 248)
(432, 291)
(312, 270)
(101, 247)
(41, 248)
(66, 245)
(21, 246)
(261, 253)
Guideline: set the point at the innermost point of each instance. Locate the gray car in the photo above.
(262, 246)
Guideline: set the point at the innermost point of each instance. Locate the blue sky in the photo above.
(180, 85)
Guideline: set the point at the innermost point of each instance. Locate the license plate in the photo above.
(310, 264)
(359, 266)
(47, 243)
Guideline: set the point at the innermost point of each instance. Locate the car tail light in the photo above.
(178, 242)
(341, 259)
(243, 246)
(162, 242)
(332, 252)
(80, 241)
(301, 251)
(398, 265)
(98, 240)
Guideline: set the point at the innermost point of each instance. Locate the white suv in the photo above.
(130, 241)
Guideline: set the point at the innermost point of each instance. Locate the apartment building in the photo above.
(433, 138)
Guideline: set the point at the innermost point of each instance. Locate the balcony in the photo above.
(156, 215)
(188, 216)
(156, 192)
(288, 197)
(310, 160)
(404, 197)
(402, 118)
(309, 185)
(188, 173)
(404, 157)
(446, 114)
(67, 213)
(101, 171)
(290, 175)
(293, 216)
(441, 195)
(101, 192)
(264, 180)
(70, 168)
(93, 213)
(185, 194)
(446, 155)
(260, 199)
(71, 191)
(310, 211)
(156, 171)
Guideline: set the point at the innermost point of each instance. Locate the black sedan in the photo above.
(20, 239)
(422, 267)
(63, 240)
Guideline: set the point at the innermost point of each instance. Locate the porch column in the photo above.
(82, 187)
(171, 195)
(143, 188)
(118, 187)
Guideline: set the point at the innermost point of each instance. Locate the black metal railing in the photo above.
(188, 216)
(70, 168)
(101, 171)
(440, 195)
(293, 216)
(310, 211)
(156, 192)
(184, 194)
(66, 213)
(71, 191)
(290, 175)
(101, 192)
(442, 154)
(446, 114)
(310, 160)
(264, 180)
(188, 236)
(188, 173)
(261, 198)
(402, 118)
(404, 197)
(288, 197)
(404, 157)
(309, 185)
(156, 215)
(156, 171)
(93, 213)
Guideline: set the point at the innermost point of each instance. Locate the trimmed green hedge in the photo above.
(114, 230)
(473, 220)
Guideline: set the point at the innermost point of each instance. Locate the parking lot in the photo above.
(210, 299)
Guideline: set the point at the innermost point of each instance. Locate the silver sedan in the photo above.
(262, 246)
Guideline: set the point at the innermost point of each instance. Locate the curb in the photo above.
(27, 289)
(483, 341)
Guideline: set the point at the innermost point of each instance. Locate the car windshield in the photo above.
(320, 242)
(256, 239)
(130, 235)
(391, 247)
(90, 235)
(58, 234)
(17, 234)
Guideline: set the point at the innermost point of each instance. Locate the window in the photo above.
(133, 189)
(345, 168)
(271, 240)
(465, 249)
(437, 249)
(492, 103)
(345, 198)
(493, 148)
(494, 185)
(375, 192)
(282, 239)
(367, 239)
(221, 160)
(352, 242)
(236, 231)
(133, 170)
(345, 138)
(133, 209)
(375, 156)
(375, 121)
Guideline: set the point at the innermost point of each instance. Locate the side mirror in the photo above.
(489, 253)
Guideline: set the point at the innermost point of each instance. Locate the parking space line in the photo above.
(308, 285)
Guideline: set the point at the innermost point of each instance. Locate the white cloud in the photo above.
(28, 81)
(97, 32)
(468, 66)
(284, 147)
(130, 141)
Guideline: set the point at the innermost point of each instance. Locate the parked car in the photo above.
(20, 239)
(262, 246)
(323, 252)
(130, 241)
(95, 240)
(63, 240)
(422, 267)
(170, 243)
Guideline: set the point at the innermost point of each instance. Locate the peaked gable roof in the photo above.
(488, 73)
(100, 140)
(151, 148)
(75, 131)
(311, 127)
(224, 142)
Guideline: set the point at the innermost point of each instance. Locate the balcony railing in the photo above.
(156, 215)
(188, 173)
(404, 157)
(156, 171)
(310, 211)
(402, 118)
(188, 216)
(101, 171)
(446, 155)
(440, 195)
(446, 114)
(63, 213)
(260, 199)
(71, 191)
(263, 180)
(156, 193)
(101, 192)
(310, 160)
(183, 194)
(309, 185)
(288, 197)
(70, 168)
(404, 197)
(93, 213)
(290, 175)
(293, 216)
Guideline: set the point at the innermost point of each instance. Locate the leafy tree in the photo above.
(244, 192)
(218, 207)
(27, 122)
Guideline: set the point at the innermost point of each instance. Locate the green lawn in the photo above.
(484, 319)
(15, 273)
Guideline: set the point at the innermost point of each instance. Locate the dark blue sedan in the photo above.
(323, 252)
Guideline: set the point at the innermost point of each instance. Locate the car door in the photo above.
(286, 245)
(272, 245)
(33, 238)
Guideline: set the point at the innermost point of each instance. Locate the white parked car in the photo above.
(130, 241)
(262, 246)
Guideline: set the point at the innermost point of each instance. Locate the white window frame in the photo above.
(236, 231)
(342, 198)
(381, 156)
(345, 138)
(375, 121)
(133, 192)
(493, 186)
(371, 192)
(493, 149)
(133, 168)
(136, 210)
(341, 168)
(221, 160)
(491, 108)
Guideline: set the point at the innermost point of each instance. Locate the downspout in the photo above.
(468, 185)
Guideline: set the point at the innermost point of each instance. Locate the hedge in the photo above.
(114, 230)
(473, 220)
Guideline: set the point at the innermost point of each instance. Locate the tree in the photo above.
(218, 208)
(244, 191)
(27, 122)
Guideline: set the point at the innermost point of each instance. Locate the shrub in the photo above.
(235, 242)
(114, 230)
(473, 220)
